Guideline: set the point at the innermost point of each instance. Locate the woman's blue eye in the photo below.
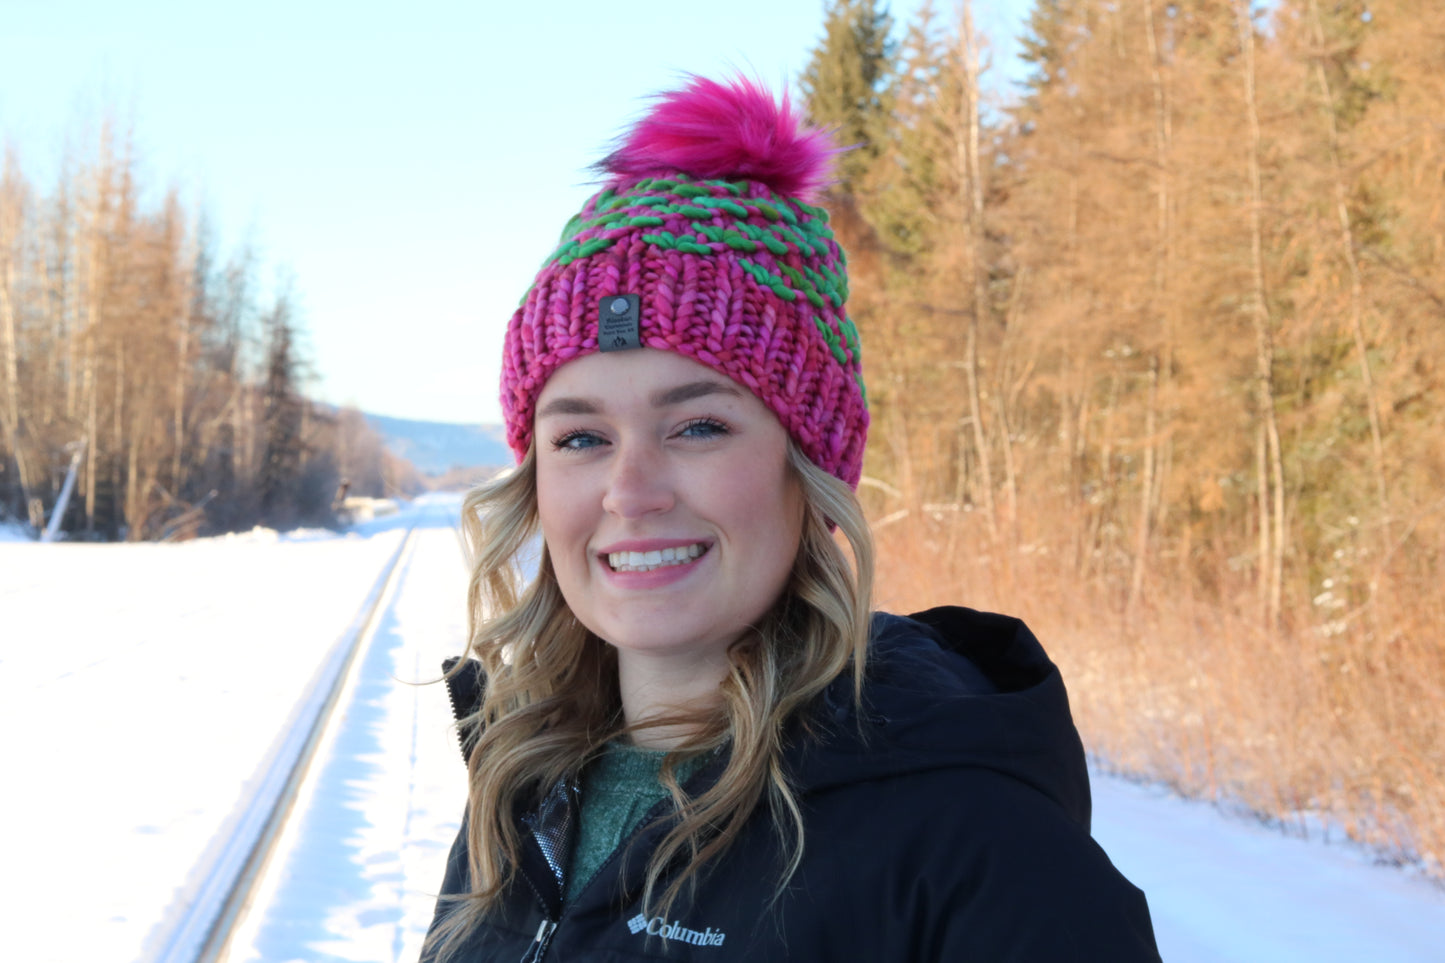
(576, 441)
(703, 428)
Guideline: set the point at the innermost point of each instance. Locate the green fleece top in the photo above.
(618, 789)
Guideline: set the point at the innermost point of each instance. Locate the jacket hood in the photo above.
(949, 687)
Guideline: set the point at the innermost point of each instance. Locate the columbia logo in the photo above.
(659, 926)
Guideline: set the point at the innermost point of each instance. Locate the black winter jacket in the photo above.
(953, 826)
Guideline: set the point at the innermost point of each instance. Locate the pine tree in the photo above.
(1047, 46)
(845, 80)
(282, 415)
(911, 171)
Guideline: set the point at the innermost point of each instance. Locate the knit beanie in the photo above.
(703, 241)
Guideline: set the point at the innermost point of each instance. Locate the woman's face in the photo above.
(668, 509)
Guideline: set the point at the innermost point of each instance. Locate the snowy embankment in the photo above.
(141, 687)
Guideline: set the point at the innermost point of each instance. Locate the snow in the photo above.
(1225, 889)
(143, 687)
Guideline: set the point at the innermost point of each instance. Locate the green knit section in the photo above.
(643, 208)
(618, 790)
(642, 205)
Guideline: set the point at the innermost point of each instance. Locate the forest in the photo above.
(175, 385)
(1153, 351)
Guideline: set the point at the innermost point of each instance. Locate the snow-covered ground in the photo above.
(143, 687)
(1228, 890)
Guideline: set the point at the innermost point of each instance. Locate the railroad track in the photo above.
(204, 931)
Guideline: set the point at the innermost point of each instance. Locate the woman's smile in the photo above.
(651, 569)
(646, 556)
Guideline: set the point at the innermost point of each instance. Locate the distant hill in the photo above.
(436, 447)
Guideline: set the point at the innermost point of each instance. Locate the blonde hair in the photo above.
(544, 713)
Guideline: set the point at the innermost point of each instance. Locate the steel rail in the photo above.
(206, 925)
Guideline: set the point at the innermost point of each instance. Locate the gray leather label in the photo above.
(619, 322)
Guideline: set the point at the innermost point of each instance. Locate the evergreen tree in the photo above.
(845, 82)
(282, 417)
(1046, 46)
(913, 159)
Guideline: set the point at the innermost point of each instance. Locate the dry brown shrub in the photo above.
(1326, 725)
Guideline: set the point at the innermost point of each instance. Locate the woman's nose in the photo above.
(638, 483)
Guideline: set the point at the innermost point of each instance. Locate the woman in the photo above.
(687, 737)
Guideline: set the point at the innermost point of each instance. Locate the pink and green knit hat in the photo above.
(703, 242)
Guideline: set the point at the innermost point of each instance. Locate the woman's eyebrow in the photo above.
(569, 406)
(691, 390)
(661, 399)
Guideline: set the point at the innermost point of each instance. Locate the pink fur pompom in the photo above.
(710, 129)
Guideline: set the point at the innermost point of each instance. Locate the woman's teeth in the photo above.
(647, 561)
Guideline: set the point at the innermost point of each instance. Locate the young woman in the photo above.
(687, 736)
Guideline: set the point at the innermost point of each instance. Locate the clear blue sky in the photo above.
(410, 164)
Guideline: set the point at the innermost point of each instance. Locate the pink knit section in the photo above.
(731, 130)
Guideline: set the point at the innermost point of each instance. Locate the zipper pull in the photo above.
(539, 943)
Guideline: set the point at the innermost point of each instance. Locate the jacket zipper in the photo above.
(538, 949)
(548, 926)
(465, 737)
